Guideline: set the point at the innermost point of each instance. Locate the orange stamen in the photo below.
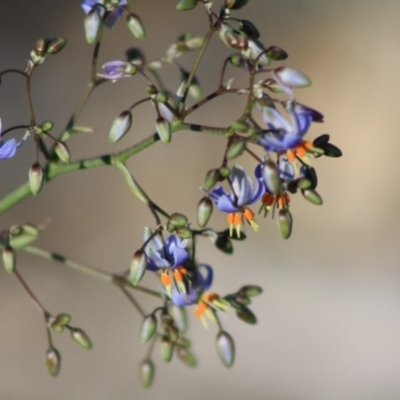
(268, 199)
(301, 151)
(308, 145)
(200, 309)
(210, 297)
(248, 214)
(165, 279)
(291, 155)
(179, 273)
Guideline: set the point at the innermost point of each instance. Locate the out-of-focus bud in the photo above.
(212, 177)
(167, 349)
(59, 323)
(180, 317)
(312, 196)
(187, 357)
(224, 244)
(246, 315)
(225, 348)
(195, 91)
(224, 172)
(93, 24)
(303, 183)
(173, 333)
(270, 174)
(23, 235)
(9, 259)
(162, 97)
(41, 47)
(178, 219)
(285, 222)
(47, 126)
(183, 342)
(55, 44)
(62, 151)
(249, 29)
(53, 361)
(276, 53)
(135, 25)
(235, 149)
(251, 290)
(36, 178)
(236, 60)
(185, 5)
(292, 77)
(138, 266)
(163, 129)
(149, 327)
(184, 233)
(235, 4)
(242, 41)
(120, 126)
(146, 373)
(204, 211)
(80, 337)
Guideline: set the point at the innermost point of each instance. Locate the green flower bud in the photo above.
(170, 228)
(251, 290)
(312, 196)
(185, 5)
(303, 183)
(41, 47)
(59, 323)
(163, 129)
(276, 53)
(55, 45)
(225, 348)
(146, 373)
(187, 357)
(93, 24)
(235, 149)
(9, 259)
(292, 77)
(36, 178)
(135, 25)
(236, 60)
(235, 4)
(149, 327)
(184, 233)
(53, 361)
(62, 152)
(246, 315)
(212, 177)
(47, 126)
(183, 342)
(80, 337)
(204, 211)
(270, 173)
(224, 172)
(178, 219)
(167, 349)
(162, 97)
(173, 333)
(120, 126)
(249, 29)
(138, 267)
(23, 235)
(285, 222)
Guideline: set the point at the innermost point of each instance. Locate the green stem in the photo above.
(133, 301)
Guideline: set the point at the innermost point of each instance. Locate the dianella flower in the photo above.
(197, 294)
(117, 69)
(169, 256)
(236, 203)
(112, 9)
(9, 147)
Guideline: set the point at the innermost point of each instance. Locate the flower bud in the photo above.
(187, 357)
(36, 178)
(246, 315)
(183, 342)
(23, 235)
(235, 4)
(120, 126)
(173, 333)
(292, 77)
(92, 25)
(55, 45)
(59, 323)
(225, 348)
(135, 25)
(303, 183)
(138, 267)
(36, 58)
(41, 47)
(167, 349)
(149, 327)
(204, 211)
(249, 29)
(9, 259)
(212, 177)
(62, 152)
(251, 290)
(146, 373)
(235, 149)
(224, 172)
(80, 337)
(178, 219)
(47, 126)
(276, 53)
(163, 129)
(312, 196)
(185, 5)
(285, 222)
(162, 97)
(53, 361)
(184, 233)
(270, 174)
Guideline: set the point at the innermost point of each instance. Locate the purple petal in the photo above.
(180, 255)
(225, 204)
(8, 148)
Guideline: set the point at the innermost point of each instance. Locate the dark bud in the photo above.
(311, 175)
(224, 244)
(285, 223)
(235, 4)
(312, 196)
(321, 141)
(204, 211)
(134, 55)
(178, 220)
(80, 337)
(249, 29)
(146, 373)
(332, 151)
(55, 45)
(9, 259)
(187, 357)
(36, 178)
(242, 300)
(167, 349)
(149, 327)
(246, 315)
(276, 53)
(53, 361)
(225, 348)
(251, 290)
(186, 5)
(234, 235)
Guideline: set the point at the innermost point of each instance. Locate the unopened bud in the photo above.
(173, 333)
(212, 177)
(167, 349)
(47, 126)
(270, 173)
(185, 5)
(80, 337)
(184, 233)
(312, 196)
(187, 357)
(292, 77)
(162, 97)
(53, 361)
(183, 342)
(92, 25)
(225, 348)
(135, 25)
(249, 29)
(235, 149)
(285, 222)
(235, 4)
(204, 211)
(59, 323)
(41, 47)
(224, 172)
(62, 152)
(251, 290)
(178, 219)
(246, 315)
(36, 178)
(276, 53)
(163, 129)
(120, 126)
(55, 45)
(146, 373)
(303, 183)
(149, 327)
(138, 267)
(9, 259)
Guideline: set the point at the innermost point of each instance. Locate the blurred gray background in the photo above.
(329, 321)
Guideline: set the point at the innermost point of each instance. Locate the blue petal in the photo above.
(179, 254)
(8, 148)
(225, 204)
(112, 17)
(206, 281)
(181, 299)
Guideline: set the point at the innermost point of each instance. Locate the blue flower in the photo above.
(113, 9)
(243, 194)
(117, 69)
(9, 147)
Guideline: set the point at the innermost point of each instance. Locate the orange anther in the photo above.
(268, 199)
(301, 151)
(231, 217)
(308, 145)
(210, 297)
(248, 214)
(291, 155)
(237, 219)
(200, 309)
(165, 279)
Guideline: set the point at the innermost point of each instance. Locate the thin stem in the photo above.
(253, 155)
(13, 128)
(133, 301)
(29, 97)
(12, 70)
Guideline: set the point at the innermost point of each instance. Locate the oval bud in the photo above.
(249, 29)
(186, 5)
(47, 126)
(62, 151)
(53, 361)
(224, 172)
(331, 150)
(41, 47)
(59, 323)
(9, 259)
(162, 97)
(235, 149)
(212, 177)
(163, 129)
(251, 290)
(55, 45)
(138, 267)
(167, 349)
(225, 348)
(92, 25)
(204, 211)
(236, 60)
(184, 233)
(149, 327)
(292, 77)
(246, 315)
(173, 333)
(178, 219)
(270, 174)
(180, 317)
(36, 178)
(120, 126)
(187, 357)
(146, 373)
(312, 196)
(303, 183)
(183, 342)
(235, 4)
(224, 244)
(80, 337)
(276, 53)
(135, 25)
(285, 222)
